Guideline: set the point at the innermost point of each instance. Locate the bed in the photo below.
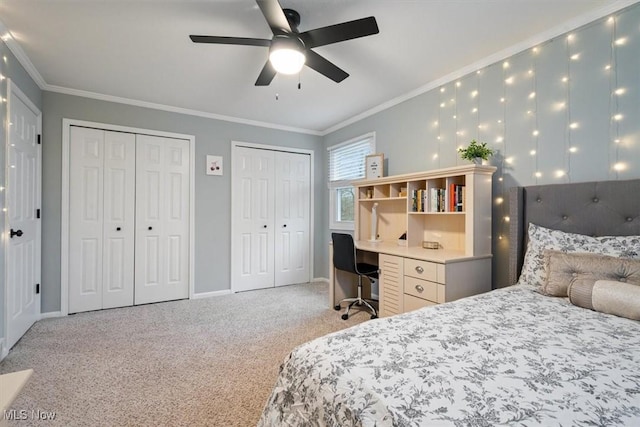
(512, 356)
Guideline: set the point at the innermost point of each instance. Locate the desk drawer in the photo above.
(421, 288)
(421, 269)
(413, 303)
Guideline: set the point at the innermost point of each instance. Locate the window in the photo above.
(346, 163)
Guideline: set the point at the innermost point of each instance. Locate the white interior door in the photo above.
(292, 204)
(253, 207)
(22, 203)
(162, 219)
(101, 214)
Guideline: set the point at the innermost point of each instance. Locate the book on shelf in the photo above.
(450, 199)
(456, 198)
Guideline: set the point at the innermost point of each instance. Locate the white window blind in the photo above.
(346, 160)
(346, 163)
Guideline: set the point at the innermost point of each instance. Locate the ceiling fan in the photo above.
(289, 49)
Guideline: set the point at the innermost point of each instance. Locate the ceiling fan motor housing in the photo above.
(293, 18)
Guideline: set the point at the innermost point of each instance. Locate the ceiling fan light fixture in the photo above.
(287, 55)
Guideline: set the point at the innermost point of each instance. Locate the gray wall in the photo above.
(424, 132)
(10, 68)
(213, 193)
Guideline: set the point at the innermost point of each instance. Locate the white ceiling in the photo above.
(140, 50)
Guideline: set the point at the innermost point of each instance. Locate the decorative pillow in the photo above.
(581, 269)
(606, 296)
(541, 238)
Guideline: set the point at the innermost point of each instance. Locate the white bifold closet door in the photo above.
(128, 219)
(162, 219)
(101, 219)
(271, 198)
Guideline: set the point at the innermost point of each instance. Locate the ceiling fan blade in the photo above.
(324, 67)
(274, 15)
(231, 40)
(266, 75)
(340, 32)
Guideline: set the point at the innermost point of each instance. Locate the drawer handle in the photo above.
(419, 269)
(419, 288)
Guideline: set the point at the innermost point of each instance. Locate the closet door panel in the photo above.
(162, 219)
(176, 212)
(292, 207)
(149, 270)
(119, 214)
(253, 231)
(86, 183)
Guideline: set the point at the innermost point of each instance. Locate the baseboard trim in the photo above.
(320, 279)
(211, 294)
(50, 314)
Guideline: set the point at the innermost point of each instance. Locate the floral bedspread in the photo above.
(507, 357)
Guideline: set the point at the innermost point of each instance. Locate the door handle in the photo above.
(150, 228)
(285, 226)
(118, 228)
(264, 226)
(15, 233)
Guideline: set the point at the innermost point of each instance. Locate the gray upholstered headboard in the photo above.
(605, 208)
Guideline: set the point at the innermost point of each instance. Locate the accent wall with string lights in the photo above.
(565, 110)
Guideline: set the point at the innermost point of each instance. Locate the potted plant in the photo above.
(476, 152)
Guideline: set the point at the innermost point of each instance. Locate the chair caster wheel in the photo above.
(345, 316)
(337, 307)
(373, 316)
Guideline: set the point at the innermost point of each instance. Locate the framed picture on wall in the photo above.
(374, 166)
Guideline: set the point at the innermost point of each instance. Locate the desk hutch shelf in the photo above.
(450, 206)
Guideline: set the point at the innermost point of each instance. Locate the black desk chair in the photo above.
(344, 258)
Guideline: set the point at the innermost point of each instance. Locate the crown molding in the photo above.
(21, 56)
(179, 110)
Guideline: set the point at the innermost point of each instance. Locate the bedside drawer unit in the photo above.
(421, 269)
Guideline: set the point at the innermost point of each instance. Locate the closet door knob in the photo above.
(264, 226)
(118, 228)
(150, 228)
(285, 226)
(15, 233)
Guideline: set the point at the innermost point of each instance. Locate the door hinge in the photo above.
(37, 213)
(37, 288)
(39, 139)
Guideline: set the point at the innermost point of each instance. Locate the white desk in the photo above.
(450, 274)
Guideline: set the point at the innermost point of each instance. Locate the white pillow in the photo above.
(540, 238)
